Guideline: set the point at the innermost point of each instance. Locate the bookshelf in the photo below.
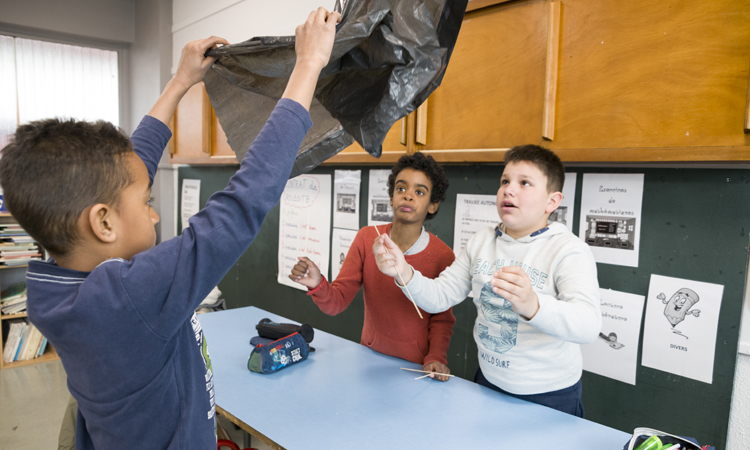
(10, 275)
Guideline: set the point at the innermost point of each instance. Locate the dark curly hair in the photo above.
(545, 160)
(427, 165)
(54, 169)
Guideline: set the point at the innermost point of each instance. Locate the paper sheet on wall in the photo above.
(340, 244)
(679, 334)
(346, 184)
(304, 224)
(611, 216)
(379, 211)
(473, 212)
(614, 354)
(190, 204)
(564, 212)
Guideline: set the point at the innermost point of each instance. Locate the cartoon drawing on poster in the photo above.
(564, 213)
(678, 337)
(379, 210)
(473, 212)
(304, 225)
(610, 221)
(340, 244)
(614, 354)
(346, 185)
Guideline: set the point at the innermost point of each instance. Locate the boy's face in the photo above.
(523, 202)
(411, 197)
(136, 216)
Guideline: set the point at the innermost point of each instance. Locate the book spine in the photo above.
(20, 341)
(10, 346)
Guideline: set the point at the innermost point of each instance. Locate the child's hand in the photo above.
(390, 260)
(514, 285)
(437, 367)
(306, 273)
(193, 64)
(314, 38)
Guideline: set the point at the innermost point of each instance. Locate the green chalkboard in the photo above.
(695, 226)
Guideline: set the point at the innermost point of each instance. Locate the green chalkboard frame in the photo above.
(695, 225)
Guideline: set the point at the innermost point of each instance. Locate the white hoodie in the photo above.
(518, 355)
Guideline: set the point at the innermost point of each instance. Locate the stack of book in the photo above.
(16, 246)
(13, 299)
(24, 342)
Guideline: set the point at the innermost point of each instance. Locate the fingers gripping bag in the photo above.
(281, 353)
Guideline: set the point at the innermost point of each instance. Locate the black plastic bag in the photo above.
(387, 58)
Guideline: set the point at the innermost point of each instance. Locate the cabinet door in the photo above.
(653, 80)
(192, 127)
(220, 149)
(492, 94)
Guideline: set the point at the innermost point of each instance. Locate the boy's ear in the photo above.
(554, 201)
(101, 223)
(433, 207)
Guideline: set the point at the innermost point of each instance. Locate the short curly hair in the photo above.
(54, 169)
(544, 159)
(427, 165)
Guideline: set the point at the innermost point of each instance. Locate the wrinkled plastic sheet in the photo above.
(387, 58)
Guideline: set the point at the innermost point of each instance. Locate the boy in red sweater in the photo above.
(416, 185)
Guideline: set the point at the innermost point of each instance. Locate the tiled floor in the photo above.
(32, 402)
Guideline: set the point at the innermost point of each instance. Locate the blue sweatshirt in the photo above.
(129, 340)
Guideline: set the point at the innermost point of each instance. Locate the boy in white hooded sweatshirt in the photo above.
(534, 285)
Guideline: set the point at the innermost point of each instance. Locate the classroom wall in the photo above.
(105, 20)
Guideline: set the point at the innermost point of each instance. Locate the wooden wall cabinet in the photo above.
(639, 81)
(197, 137)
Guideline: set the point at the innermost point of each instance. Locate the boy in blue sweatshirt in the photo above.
(118, 309)
(534, 286)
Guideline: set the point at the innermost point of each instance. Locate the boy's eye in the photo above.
(150, 201)
(399, 189)
(503, 182)
(526, 183)
(420, 192)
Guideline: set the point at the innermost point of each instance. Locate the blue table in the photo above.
(346, 396)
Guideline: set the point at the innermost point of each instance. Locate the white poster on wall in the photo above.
(679, 334)
(564, 212)
(340, 243)
(379, 209)
(304, 224)
(614, 353)
(190, 204)
(610, 220)
(346, 184)
(473, 212)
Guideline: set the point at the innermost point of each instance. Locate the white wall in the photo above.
(237, 20)
(104, 20)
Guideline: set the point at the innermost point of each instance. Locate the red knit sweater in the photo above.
(392, 325)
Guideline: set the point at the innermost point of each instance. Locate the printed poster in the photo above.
(346, 186)
(190, 204)
(304, 224)
(611, 216)
(682, 318)
(614, 354)
(564, 213)
(379, 210)
(340, 244)
(473, 212)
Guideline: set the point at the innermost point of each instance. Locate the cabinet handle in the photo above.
(207, 111)
(171, 143)
(747, 109)
(421, 137)
(554, 30)
(403, 130)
